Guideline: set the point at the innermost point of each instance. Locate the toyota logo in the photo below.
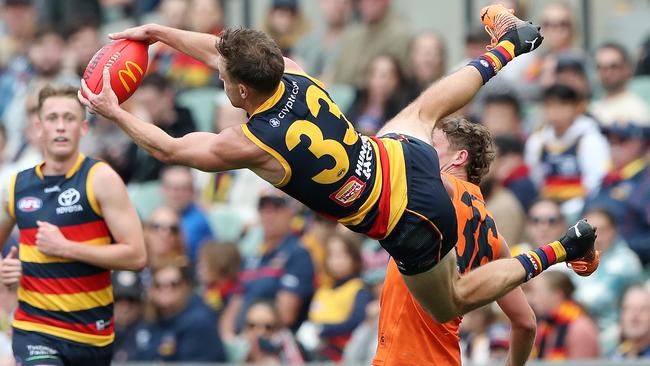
(69, 197)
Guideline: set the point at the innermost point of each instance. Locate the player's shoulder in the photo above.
(101, 173)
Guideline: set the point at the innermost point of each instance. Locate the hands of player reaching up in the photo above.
(144, 33)
(10, 268)
(50, 240)
(104, 103)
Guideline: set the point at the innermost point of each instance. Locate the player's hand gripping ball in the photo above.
(127, 62)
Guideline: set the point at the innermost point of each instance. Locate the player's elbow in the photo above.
(137, 261)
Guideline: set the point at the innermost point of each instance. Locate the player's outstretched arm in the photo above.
(523, 324)
(229, 149)
(201, 46)
(128, 251)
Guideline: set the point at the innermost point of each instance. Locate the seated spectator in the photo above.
(382, 97)
(625, 190)
(269, 342)
(281, 270)
(181, 69)
(427, 61)
(319, 230)
(162, 236)
(83, 41)
(619, 268)
(505, 209)
(285, 24)
(180, 327)
(19, 19)
(478, 332)
(511, 172)
(619, 103)
(544, 224)
(568, 157)
(570, 70)
(380, 31)
(128, 296)
(218, 269)
(635, 325)
(362, 345)
(320, 46)
(156, 102)
(502, 115)
(178, 193)
(564, 331)
(338, 309)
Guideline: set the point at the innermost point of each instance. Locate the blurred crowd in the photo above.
(240, 272)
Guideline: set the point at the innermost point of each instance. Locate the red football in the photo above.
(127, 62)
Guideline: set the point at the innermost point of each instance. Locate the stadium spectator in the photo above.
(560, 37)
(619, 268)
(64, 15)
(318, 231)
(178, 193)
(544, 222)
(505, 209)
(286, 24)
(19, 20)
(568, 157)
(44, 65)
(427, 59)
(570, 70)
(625, 190)
(269, 341)
(380, 32)
(180, 326)
(383, 96)
(7, 306)
(477, 331)
(128, 294)
(320, 46)
(82, 43)
(511, 172)
(282, 270)
(635, 325)
(155, 99)
(338, 309)
(218, 269)
(162, 236)
(618, 103)
(502, 115)
(564, 331)
(202, 16)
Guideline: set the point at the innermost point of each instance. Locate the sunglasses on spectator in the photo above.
(549, 220)
(556, 24)
(157, 226)
(170, 285)
(611, 66)
(265, 326)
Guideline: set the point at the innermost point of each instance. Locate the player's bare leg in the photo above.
(445, 294)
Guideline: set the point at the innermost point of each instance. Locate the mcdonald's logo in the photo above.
(129, 72)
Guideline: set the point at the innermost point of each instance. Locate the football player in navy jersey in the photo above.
(76, 223)
(388, 187)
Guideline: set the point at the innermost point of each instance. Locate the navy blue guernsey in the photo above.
(60, 297)
(329, 167)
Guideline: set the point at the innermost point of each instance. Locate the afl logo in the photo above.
(274, 122)
(30, 204)
(69, 197)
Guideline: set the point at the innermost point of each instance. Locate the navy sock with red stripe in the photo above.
(537, 260)
(489, 63)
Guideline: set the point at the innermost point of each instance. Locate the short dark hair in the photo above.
(508, 145)
(473, 137)
(561, 92)
(157, 81)
(504, 98)
(558, 280)
(618, 48)
(50, 91)
(252, 58)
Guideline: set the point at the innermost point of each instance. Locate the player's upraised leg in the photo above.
(445, 294)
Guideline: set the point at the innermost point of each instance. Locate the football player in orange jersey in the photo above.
(465, 152)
